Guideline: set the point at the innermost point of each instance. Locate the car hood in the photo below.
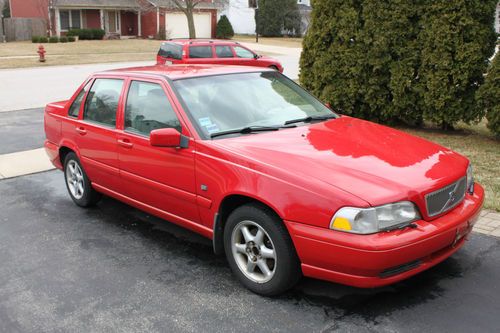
(373, 162)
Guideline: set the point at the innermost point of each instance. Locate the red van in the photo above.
(220, 52)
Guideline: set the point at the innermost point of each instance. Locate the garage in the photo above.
(177, 26)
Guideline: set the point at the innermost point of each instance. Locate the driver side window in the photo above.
(242, 52)
(102, 101)
(148, 108)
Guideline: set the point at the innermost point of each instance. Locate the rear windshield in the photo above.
(170, 50)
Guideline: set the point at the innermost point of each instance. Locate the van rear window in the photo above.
(170, 50)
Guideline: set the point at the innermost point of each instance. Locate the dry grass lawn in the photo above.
(24, 54)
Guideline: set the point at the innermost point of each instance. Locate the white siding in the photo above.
(242, 17)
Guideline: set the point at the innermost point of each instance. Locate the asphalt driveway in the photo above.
(114, 268)
(21, 130)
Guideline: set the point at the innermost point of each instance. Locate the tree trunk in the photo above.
(190, 19)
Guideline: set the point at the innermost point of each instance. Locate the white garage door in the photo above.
(177, 26)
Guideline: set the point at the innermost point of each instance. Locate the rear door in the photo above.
(96, 132)
(161, 177)
(200, 54)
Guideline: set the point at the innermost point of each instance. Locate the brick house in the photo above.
(123, 18)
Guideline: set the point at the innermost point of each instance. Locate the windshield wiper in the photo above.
(309, 119)
(249, 129)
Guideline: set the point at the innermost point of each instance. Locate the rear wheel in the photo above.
(274, 67)
(259, 250)
(77, 182)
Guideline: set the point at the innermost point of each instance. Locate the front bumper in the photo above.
(384, 258)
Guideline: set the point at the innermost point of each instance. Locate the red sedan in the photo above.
(217, 52)
(282, 185)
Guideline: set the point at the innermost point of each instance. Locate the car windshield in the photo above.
(234, 101)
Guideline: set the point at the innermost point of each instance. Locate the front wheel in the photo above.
(78, 184)
(259, 250)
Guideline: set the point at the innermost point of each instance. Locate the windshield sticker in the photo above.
(206, 121)
(212, 128)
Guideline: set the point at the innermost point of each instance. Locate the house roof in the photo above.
(97, 3)
(125, 4)
(170, 4)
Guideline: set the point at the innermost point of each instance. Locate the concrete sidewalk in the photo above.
(24, 163)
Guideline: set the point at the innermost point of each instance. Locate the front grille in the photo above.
(446, 198)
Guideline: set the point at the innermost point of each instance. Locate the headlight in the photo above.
(470, 179)
(375, 219)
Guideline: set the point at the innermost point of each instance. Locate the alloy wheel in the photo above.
(254, 251)
(74, 179)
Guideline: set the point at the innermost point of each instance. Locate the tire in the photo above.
(78, 184)
(267, 244)
(274, 67)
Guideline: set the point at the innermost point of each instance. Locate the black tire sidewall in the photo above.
(287, 264)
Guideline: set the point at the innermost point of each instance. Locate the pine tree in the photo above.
(224, 28)
(456, 40)
(392, 59)
(276, 16)
(399, 60)
(488, 97)
(331, 63)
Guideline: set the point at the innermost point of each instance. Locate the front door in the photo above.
(96, 138)
(157, 176)
(112, 21)
(244, 57)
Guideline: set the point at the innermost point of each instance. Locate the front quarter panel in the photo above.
(221, 173)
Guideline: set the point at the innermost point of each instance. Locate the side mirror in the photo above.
(256, 56)
(168, 137)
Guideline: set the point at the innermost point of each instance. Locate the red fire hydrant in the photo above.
(41, 53)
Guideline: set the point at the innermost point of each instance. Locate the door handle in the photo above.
(125, 143)
(81, 130)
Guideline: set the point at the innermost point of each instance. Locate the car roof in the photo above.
(175, 72)
(184, 41)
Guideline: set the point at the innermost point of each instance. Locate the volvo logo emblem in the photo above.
(452, 197)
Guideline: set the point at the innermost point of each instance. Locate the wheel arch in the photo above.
(228, 205)
(66, 147)
(63, 152)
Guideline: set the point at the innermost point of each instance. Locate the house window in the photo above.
(252, 3)
(70, 19)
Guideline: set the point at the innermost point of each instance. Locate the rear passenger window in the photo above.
(223, 51)
(200, 52)
(102, 101)
(148, 108)
(74, 109)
